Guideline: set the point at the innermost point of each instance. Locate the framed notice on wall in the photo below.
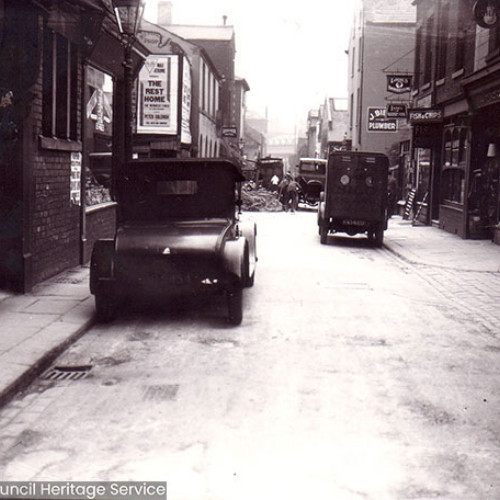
(158, 96)
(75, 178)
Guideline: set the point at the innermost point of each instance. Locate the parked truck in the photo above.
(355, 197)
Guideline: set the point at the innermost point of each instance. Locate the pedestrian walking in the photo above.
(289, 194)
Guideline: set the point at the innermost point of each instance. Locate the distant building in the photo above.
(285, 147)
(220, 45)
(381, 55)
(334, 126)
(312, 132)
(381, 60)
(255, 143)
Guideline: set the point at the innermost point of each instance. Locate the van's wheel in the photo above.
(323, 235)
(379, 236)
(235, 306)
(105, 307)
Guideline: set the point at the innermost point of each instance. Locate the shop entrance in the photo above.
(484, 191)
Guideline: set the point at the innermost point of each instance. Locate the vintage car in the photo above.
(355, 198)
(310, 174)
(178, 234)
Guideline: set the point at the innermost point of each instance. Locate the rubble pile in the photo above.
(259, 199)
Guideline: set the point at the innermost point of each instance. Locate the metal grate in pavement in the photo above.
(161, 392)
(59, 373)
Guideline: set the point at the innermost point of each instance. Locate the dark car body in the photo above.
(178, 235)
(355, 198)
(310, 174)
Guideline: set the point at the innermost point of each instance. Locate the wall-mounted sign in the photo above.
(378, 121)
(487, 13)
(186, 103)
(398, 84)
(158, 96)
(396, 110)
(75, 178)
(230, 131)
(424, 115)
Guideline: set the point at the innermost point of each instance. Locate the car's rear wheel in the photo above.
(235, 306)
(105, 306)
(323, 235)
(379, 236)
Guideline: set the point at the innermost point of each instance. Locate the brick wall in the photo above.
(55, 221)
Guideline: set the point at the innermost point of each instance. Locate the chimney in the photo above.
(224, 20)
(164, 12)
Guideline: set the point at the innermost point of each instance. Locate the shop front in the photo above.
(426, 142)
(483, 88)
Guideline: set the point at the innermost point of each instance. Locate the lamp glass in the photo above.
(128, 15)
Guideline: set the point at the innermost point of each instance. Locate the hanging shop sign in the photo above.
(396, 110)
(158, 96)
(229, 131)
(487, 13)
(379, 122)
(425, 115)
(398, 84)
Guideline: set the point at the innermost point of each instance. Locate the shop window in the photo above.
(98, 136)
(454, 160)
(60, 87)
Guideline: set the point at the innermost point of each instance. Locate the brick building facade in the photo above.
(48, 49)
(457, 85)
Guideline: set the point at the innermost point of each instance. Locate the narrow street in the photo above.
(354, 375)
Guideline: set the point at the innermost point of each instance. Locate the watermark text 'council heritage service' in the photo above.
(83, 490)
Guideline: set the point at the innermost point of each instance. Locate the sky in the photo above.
(291, 53)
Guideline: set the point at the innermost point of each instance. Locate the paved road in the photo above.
(354, 375)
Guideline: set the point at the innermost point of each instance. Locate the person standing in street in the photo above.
(289, 194)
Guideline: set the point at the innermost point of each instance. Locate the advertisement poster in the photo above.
(75, 180)
(158, 96)
(186, 104)
(99, 107)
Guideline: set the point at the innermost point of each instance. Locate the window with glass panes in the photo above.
(60, 86)
(454, 162)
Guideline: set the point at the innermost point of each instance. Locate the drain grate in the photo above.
(57, 373)
(161, 392)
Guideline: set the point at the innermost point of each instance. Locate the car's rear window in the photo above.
(172, 188)
(156, 195)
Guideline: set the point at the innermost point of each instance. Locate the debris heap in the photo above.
(259, 199)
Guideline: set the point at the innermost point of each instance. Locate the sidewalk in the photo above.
(434, 247)
(37, 327)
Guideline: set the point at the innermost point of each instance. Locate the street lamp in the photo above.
(128, 17)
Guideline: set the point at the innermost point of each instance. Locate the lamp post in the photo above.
(128, 17)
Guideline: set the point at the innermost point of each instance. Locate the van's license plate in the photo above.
(353, 222)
